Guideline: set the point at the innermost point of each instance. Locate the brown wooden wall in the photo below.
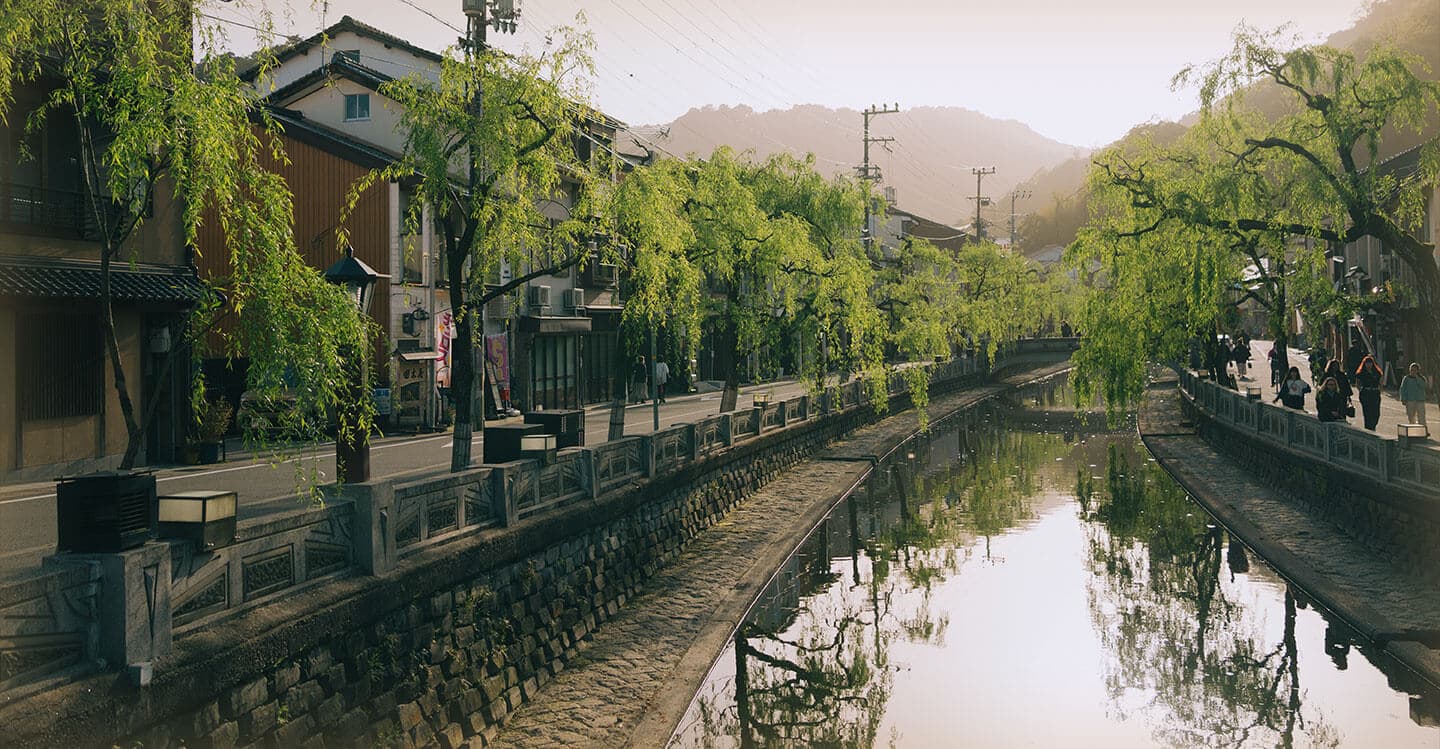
(319, 182)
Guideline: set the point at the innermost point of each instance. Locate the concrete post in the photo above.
(134, 610)
(727, 428)
(502, 492)
(372, 547)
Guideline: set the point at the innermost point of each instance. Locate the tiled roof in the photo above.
(56, 278)
(346, 23)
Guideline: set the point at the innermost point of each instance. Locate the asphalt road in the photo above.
(268, 485)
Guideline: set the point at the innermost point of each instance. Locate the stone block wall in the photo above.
(1403, 525)
(441, 650)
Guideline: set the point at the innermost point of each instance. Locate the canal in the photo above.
(1026, 575)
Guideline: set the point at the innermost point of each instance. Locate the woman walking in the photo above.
(1292, 390)
(1278, 363)
(1367, 381)
(1412, 394)
(1330, 401)
(1342, 384)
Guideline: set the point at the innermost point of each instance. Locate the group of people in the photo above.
(640, 380)
(1339, 388)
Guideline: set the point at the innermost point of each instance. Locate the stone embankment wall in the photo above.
(435, 652)
(1322, 468)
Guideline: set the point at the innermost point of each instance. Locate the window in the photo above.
(60, 365)
(357, 107)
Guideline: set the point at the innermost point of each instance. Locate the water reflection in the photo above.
(1174, 631)
(998, 568)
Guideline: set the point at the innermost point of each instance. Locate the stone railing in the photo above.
(82, 611)
(1383, 459)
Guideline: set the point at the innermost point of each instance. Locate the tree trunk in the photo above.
(729, 342)
(135, 436)
(462, 366)
(619, 390)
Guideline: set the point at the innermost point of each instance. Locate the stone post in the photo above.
(727, 428)
(134, 610)
(372, 546)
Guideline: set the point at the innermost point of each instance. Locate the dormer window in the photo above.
(357, 107)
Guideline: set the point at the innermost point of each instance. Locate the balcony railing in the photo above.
(63, 212)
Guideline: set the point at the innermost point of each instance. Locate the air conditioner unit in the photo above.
(606, 274)
(539, 296)
(575, 299)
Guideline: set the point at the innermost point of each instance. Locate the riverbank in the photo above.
(1396, 609)
(634, 679)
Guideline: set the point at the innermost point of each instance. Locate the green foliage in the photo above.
(487, 146)
(1247, 202)
(153, 129)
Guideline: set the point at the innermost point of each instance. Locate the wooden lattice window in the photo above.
(60, 364)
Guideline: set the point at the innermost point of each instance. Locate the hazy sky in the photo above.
(1079, 71)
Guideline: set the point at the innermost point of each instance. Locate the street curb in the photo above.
(1355, 613)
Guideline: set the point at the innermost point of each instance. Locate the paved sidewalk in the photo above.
(1398, 608)
(634, 679)
(1392, 411)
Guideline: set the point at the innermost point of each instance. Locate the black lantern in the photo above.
(357, 278)
(352, 450)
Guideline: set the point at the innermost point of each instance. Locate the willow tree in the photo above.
(651, 243)
(823, 282)
(936, 298)
(487, 143)
(1311, 173)
(152, 127)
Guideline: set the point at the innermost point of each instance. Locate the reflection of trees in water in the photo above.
(1172, 633)
(821, 675)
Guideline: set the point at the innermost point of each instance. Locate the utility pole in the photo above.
(868, 173)
(980, 200)
(477, 20)
(1016, 194)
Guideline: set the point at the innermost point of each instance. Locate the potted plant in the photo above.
(212, 421)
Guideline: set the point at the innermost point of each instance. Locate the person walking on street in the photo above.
(1330, 401)
(1367, 381)
(1342, 384)
(1292, 390)
(1412, 394)
(1279, 362)
(637, 381)
(1241, 355)
(1318, 358)
(662, 376)
(1220, 364)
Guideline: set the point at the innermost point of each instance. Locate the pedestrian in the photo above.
(1412, 394)
(1241, 355)
(1356, 354)
(1342, 383)
(637, 381)
(1220, 363)
(1279, 362)
(1330, 401)
(1318, 359)
(1367, 381)
(662, 376)
(1292, 390)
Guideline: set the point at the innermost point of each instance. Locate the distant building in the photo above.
(1386, 324)
(548, 343)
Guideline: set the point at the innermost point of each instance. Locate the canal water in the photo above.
(1026, 576)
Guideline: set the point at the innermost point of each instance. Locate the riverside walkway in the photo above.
(1398, 609)
(633, 680)
(1392, 411)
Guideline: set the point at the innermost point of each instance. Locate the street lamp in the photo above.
(352, 449)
